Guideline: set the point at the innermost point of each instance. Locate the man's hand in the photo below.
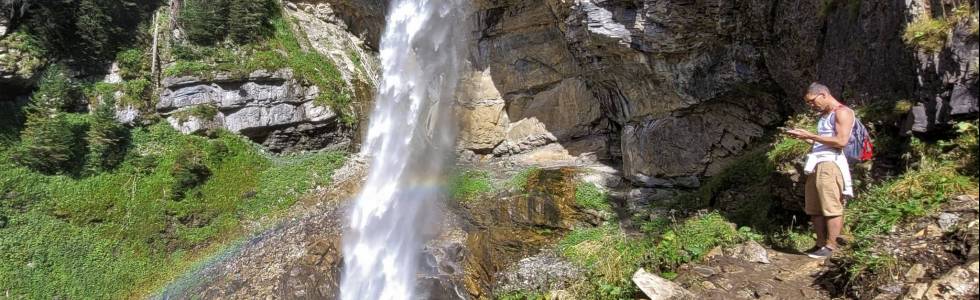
(800, 134)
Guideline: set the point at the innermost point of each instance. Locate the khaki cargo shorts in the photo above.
(825, 191)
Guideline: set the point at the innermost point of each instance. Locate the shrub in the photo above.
(927, 34)
(54, 91)
(204, 21)
(46, 144)
(251, 19)
(106, 139)
(188, 171)
(132, 63)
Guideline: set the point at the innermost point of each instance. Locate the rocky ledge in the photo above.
(271, 108)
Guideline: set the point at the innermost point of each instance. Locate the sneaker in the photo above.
(823, 252)
(812, 249)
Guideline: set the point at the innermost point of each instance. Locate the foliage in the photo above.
(105, 139)
(188, 171)
(693, 239)
(49, 141)
(87, 33)
(119, 234)
(609, 255)
(133, 63)
(205, 22)
(467, 185)
(914, 194)
(54, 91)
(927, 34)
(518, 182)
(522, 295)
(248, 19)
(589, 195)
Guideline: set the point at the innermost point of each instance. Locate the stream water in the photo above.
(409, 144)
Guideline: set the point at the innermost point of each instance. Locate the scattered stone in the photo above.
(705, 271)
(947, 221)
(931, 231)
(958, 282)
(657, 288)
(917, 291)
(915, 273)
(750, 251)
(542, 272)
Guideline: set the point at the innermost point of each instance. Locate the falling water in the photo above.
(409, 142)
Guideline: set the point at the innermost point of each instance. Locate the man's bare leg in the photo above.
(834, 226)
(820, 227)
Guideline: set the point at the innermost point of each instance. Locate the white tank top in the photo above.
(825, 127)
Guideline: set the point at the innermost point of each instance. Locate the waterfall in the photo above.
(409, 143)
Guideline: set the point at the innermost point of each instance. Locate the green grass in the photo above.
(518, 182)
(522, 295)
(691, 240)
(467, 185)
(588, 195)
(930, 34)
(609, 255)
(120, 234)
(916, 193)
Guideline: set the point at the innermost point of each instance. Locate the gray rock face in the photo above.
(270, 108)
(679, 87)
(947, 82)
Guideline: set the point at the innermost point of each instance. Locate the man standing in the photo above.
(828, 176)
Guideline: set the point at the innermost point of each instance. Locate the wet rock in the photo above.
(750, 251)
(657, 288)
(959, 282)
(543, 272)
(643, 197)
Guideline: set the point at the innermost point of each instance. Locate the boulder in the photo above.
(657, 288)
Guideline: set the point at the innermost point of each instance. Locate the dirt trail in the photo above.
(785, 276)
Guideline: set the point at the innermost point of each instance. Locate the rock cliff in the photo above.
(676, 89)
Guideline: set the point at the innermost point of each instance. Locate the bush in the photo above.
(106, 139)
(204, 21)
(46, 144)
(692, 240)
(54, 91)
(251, 19)
(927, 34)
(132, 63)
(188, 171)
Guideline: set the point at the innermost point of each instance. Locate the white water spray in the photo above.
(409, 142)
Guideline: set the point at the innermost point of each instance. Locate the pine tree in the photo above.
(248, 19)
(47, 141)
(204, 21)
(105, 139)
